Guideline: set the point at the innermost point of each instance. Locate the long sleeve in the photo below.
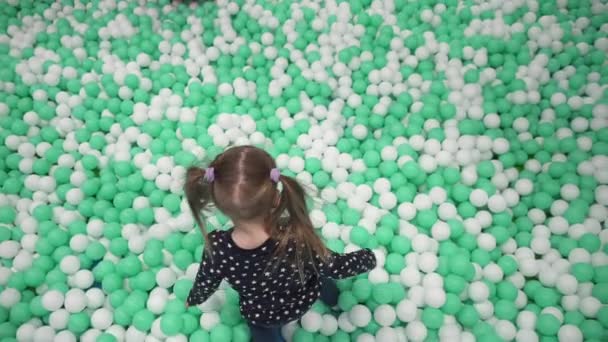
(208, 278)
(339, 266)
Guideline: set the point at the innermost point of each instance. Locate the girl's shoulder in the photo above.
(219, 233)
(217, 237)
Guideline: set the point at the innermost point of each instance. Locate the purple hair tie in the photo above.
(209, 174)
(275, 175)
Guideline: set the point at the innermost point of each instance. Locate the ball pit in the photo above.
(465, 142)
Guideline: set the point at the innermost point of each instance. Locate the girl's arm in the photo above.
(339, 266)
(208, 278)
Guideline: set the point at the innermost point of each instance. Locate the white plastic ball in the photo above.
(83, 279)
(58, 319)
(524, 186)
(421, 243)
(359, 132)
(387, 334)
(589, 306)
(345, 324)
(166, 277)
(406, 211)
(552, 310)
(567, 284)
(26, 332)
(52, 300)
(601, 195)
(95, 298)
(406, 310)
(428, 262)
(486, 241)
(493, 272)
(135, 335)
(329, 326)
(435, 297)
(75, 300)
(382, 185)
(410, 276)
(526, 320)
(569, 333)
(506, 330)
(432, 280)
(44, 334)
(311, 321)
(485, 309)
(387, 200)
(385, 315)
(9, 297)
(478, 291)
(378, 276)
(478, 198)
(569, 192)
(360, 315)
(9, 249)
(497, 203)
(209, 320)
(579, 255)
(416, 331)
(440, 231)
(558, 225)
(101, 319)
(79, 243)
(540, 245)
(447, 211)
(366, 337)
(438, 195)
(423, 201)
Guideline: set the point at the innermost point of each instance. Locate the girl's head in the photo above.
(238, 182)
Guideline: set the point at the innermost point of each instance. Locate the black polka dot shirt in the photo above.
(270, 295)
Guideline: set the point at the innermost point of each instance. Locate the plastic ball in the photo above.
(478, 291)
(75, 300)
(406, 310)
(406, 211)
(478, 198)
(59, 319)
(435, 297)
(410, 276)
(569, 333)
(589, 306)
(416, 331)
(101, 319)
(567, 284)
(44, 333)
(385, 315)
(506, 330)
(95, 298)
(387, 334)
(526, 320)
(329, 325)
(9, 297)
(311, 321)
(360, 315)
(428, 262)
(359, 132)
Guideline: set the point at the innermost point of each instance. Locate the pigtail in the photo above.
(199, 196)
(298, 226)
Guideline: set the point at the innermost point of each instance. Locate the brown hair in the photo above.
(242, 189)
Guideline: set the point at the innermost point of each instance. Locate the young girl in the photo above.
(271, 256)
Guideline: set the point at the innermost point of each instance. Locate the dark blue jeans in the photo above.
(329, 296)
